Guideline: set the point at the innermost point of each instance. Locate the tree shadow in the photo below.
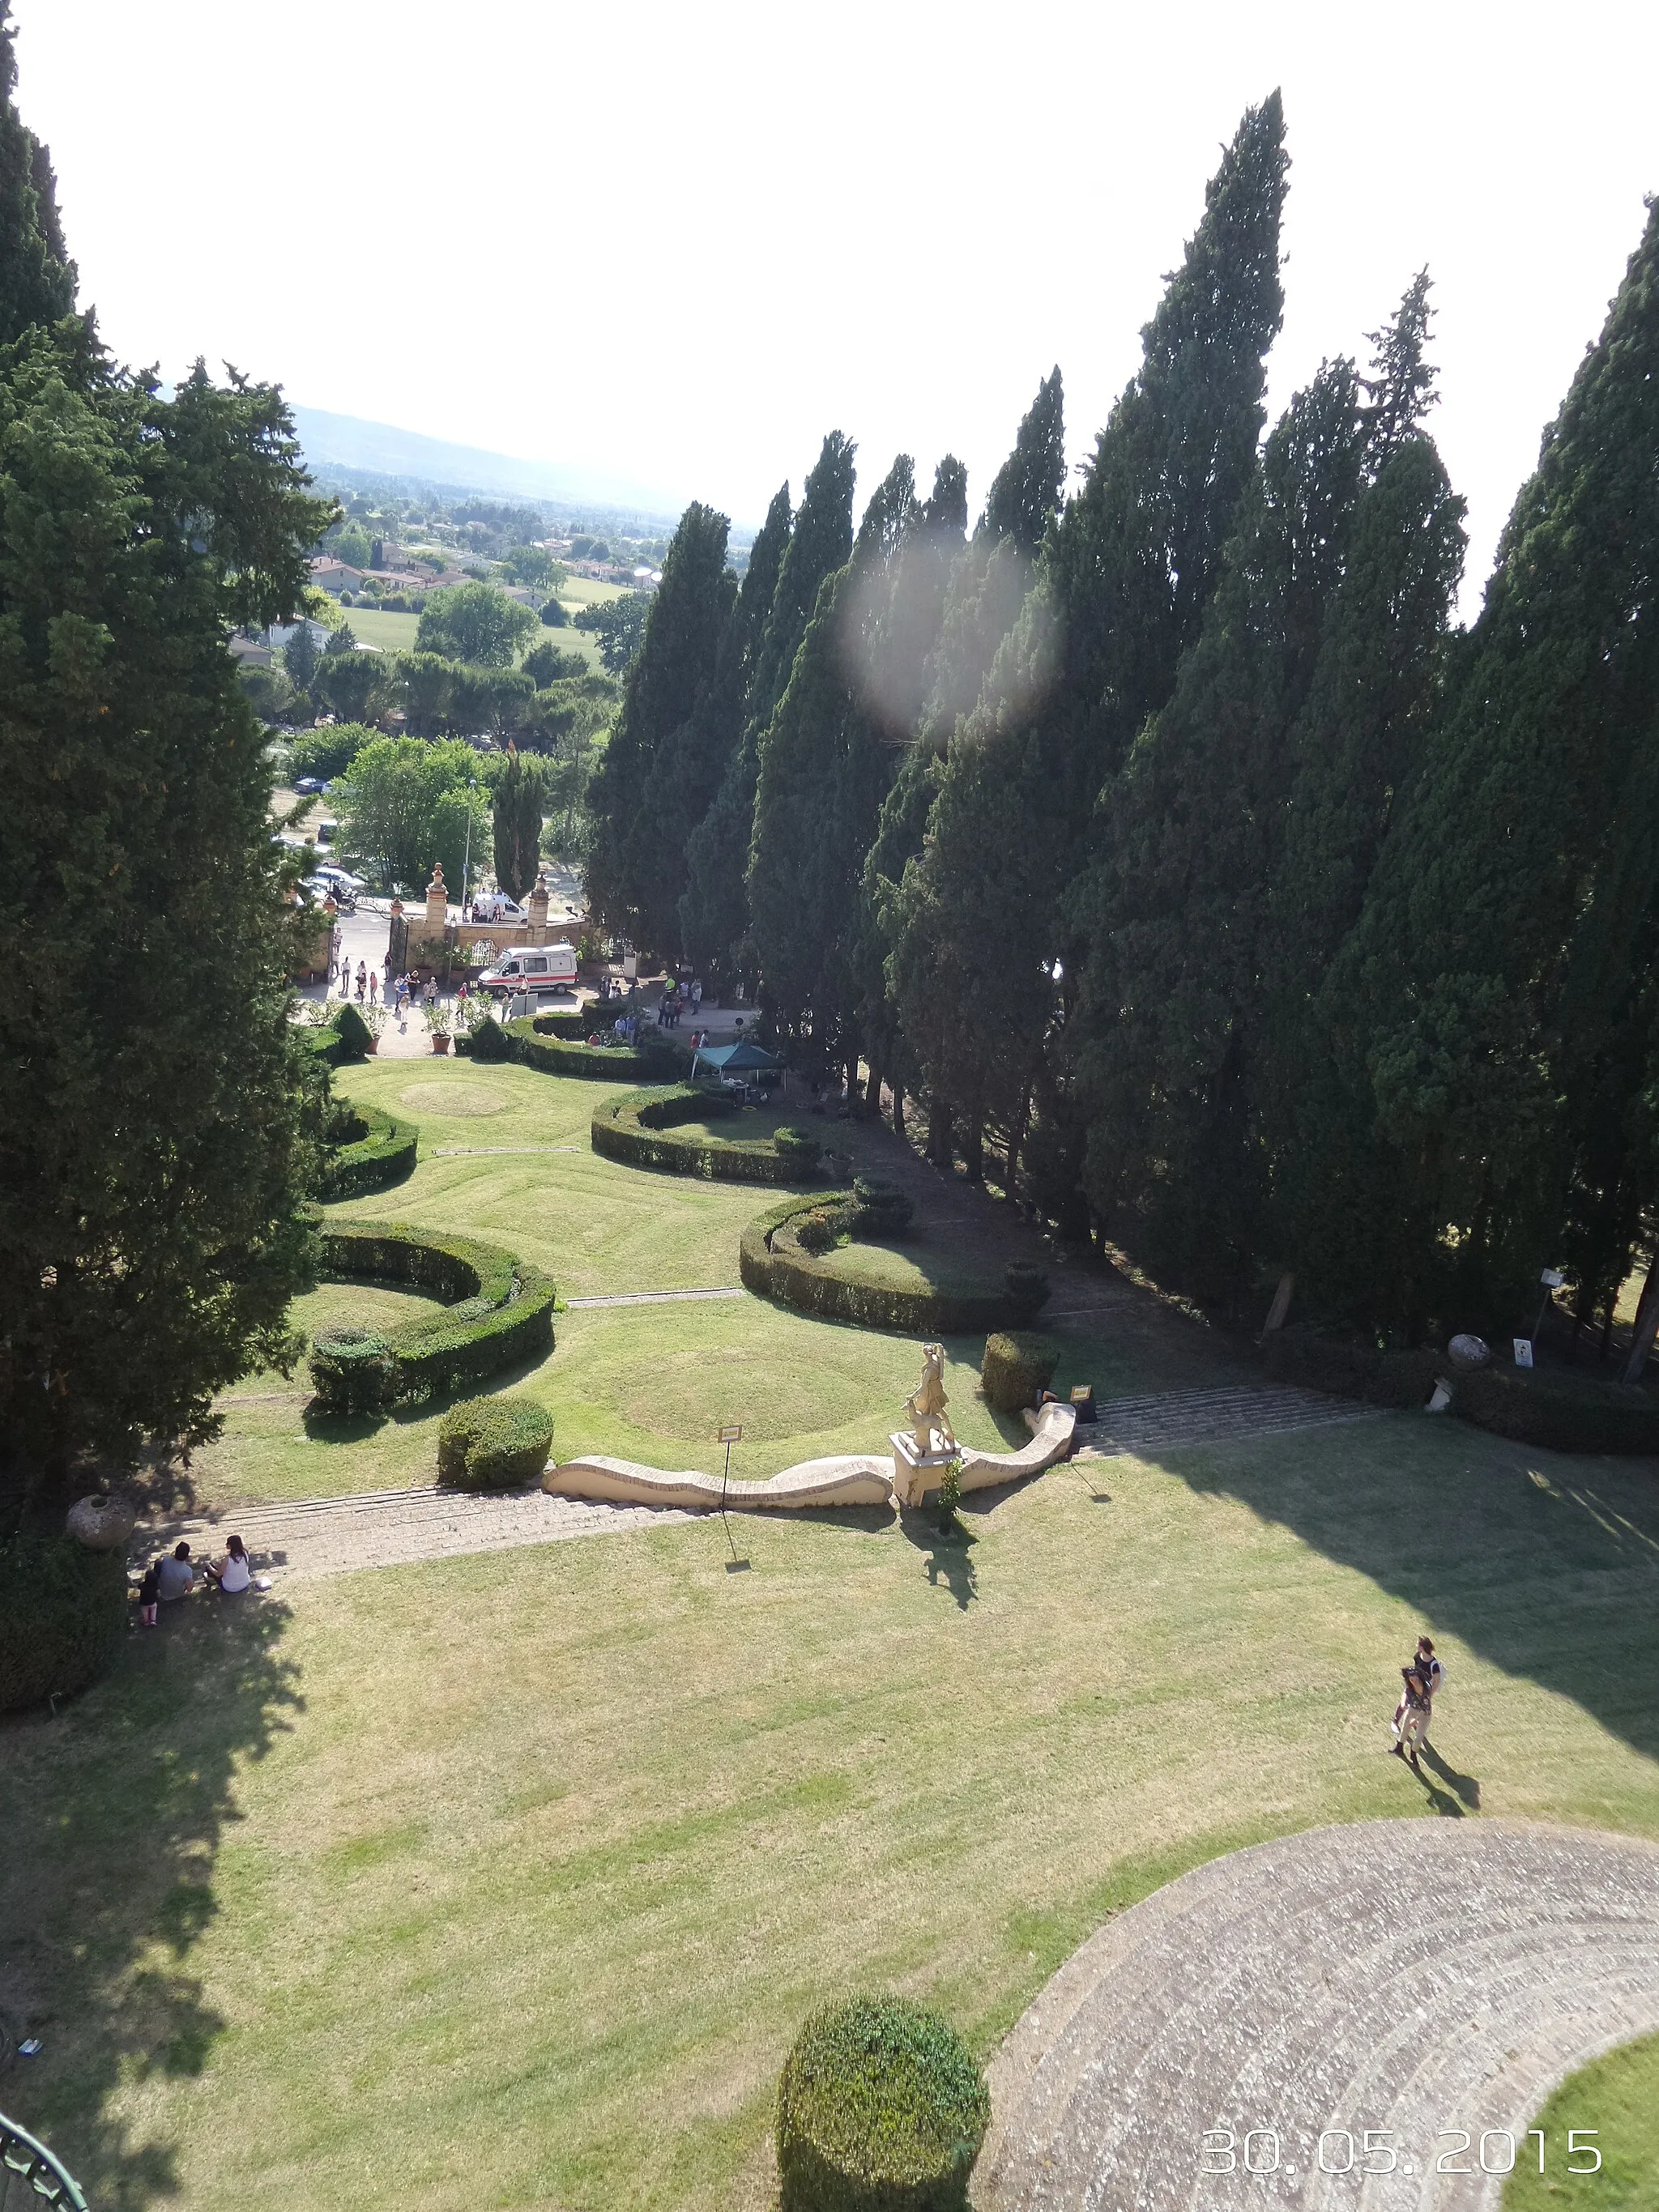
(950, 1558)
(1544, 1565)
(97, 1945)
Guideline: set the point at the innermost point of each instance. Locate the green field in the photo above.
(395, 633)
(391, 633)
(507, 1879)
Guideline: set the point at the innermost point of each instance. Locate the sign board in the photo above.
(1552, 1279)
(1523, 1351)
(631, 965)
(731, 1434)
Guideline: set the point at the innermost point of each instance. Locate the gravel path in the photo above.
(1419, 1978)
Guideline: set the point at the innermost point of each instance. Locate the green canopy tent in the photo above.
(740, 1059)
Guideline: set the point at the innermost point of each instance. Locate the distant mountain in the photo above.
(343, 442)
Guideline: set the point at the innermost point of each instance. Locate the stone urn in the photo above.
(1466, 1353)
(101, 1524)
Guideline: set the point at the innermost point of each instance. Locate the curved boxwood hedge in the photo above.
(821, 1285)
(1563, 1412)
(537, 1042)
(1402, 1379)
(880, 2109)
(640, 1129)
(508, 1305)
(62, 1612)
(380, 1151)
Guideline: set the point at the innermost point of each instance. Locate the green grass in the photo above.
(1617, 2098)
(588, 592)
(392, 633)
(510, 1879)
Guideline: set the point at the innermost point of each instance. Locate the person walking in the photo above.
(362, 980)
(374, 986)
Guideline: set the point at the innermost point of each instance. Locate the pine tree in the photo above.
(715, 914)
(634, 874)
(1491, 1009)
(37, 278)
(1026, 493)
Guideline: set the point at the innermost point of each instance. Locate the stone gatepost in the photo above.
(538, 909)
(437, 903)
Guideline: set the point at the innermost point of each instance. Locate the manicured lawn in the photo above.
(392, 633)
(1618, 2100)
(588, 592)
(508, 1880)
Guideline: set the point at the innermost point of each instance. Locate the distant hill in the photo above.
(341, 442)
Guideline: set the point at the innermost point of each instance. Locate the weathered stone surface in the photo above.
(1404, 1977)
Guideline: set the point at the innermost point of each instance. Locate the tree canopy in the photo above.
(475, 622)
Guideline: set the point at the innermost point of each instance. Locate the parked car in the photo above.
(310, 785)
(533, 968)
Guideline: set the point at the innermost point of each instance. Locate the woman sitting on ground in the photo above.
(233, 1573)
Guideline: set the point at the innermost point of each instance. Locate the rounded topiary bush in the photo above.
(354, 1035)
(819, 1231)
(1027, 1286)
(798, 1149)
(62, 1612)
(494, 1443)
(880, 2109)
(354, 1371)
(490, 1041)
(882, 1209)
(1018, 1368)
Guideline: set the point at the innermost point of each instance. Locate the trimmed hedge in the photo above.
(494, 1443)
(1017, 1369)
(1404, 1380)
(1562, 1412)
(353, 1368)
(1027, 1286)
(639, 1128)
(880, 2109)
(881, 1209)
(380, 1154)
(500, 1309)
(813, 1285)
(62, 1612)
(536, 1043)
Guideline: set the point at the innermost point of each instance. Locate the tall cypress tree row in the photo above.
(634, 875)
(517, 808)
(37, 278)
(715, 916)
(1490, 1009)
(829, 753)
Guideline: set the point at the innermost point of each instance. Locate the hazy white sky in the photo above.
(680, 242)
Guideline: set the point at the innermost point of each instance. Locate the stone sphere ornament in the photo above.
(1466, 1353)
(101, 1524)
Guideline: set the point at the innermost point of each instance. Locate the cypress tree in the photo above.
(518, 804)
(1491, 1009)
(37, 278)
(715, 920)
(1025, 492)
(634, 875)
(829, 753)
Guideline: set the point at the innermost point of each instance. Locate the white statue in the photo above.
(927, 1402)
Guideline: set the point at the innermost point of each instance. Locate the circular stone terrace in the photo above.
(1409, 1977)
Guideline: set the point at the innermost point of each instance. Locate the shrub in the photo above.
(1401, 1379)
(798, 1148)
(490, 1041)
(820, 1230)
(62, 1612)
(494, 1443)
(1562, 1412)
(1027, 1286)
(353, 1031)
(353, 1369)
(880, 2109)
(950, 1496)
(882, 1209)
(378, 1151)
(1017, 1369)
(536, 1045)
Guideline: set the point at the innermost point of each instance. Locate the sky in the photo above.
(677, 244)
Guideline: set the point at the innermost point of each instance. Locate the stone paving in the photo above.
(1429, 1981)
(1167, 1419)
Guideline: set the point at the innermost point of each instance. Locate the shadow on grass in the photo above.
(98, 1945)
(950, 1551)
(1545, 1565)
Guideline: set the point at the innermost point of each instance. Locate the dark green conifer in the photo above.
(37, 278)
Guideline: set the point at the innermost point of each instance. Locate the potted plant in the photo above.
(374, 1020)
(437, 1021)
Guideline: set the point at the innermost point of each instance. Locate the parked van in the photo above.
(532, 968)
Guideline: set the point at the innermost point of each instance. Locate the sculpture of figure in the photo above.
(927, 1402)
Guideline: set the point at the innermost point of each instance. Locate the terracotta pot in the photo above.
(374, 1045)
(441, 1044)
(101, 1524)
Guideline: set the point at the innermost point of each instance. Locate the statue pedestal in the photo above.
(915, 1471)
